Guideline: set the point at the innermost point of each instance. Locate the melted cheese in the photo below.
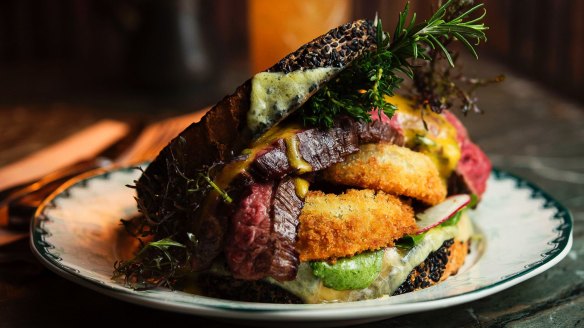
(439, 141)
(397, 264)
(274, 94)
(231, 170)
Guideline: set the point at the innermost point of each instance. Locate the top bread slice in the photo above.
(223, 133)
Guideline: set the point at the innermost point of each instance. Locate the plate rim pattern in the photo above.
(46, 253)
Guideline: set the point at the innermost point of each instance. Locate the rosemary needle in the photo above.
(363, 85)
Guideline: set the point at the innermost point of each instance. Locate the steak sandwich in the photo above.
(314, 182)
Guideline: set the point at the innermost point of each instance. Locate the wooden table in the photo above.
(525, 130)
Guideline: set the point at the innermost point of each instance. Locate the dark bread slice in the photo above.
(229, 288)
(220, 136)
(439, 265)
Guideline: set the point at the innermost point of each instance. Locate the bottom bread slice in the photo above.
(438, 266)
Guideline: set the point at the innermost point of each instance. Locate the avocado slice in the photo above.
(353, 272)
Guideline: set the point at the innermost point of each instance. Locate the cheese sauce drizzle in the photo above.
(397, 264)
(275, 94)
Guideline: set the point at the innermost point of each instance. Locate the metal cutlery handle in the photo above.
(29, 196)
(18, 204)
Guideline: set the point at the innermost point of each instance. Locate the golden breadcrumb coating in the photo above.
(334, 226)
(393, 169)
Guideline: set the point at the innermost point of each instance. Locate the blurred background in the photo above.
(67, 64)
(180, 55)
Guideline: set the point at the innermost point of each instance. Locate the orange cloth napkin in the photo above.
(80, 146)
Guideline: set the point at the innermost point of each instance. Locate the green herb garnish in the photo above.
(453, 220)
(213, 185)
(363, 86)
(157, 264)
(437, 84)
(409, 241)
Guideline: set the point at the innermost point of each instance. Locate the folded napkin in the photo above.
(82, 145)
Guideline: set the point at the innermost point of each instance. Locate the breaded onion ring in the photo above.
(393, 169)
(334, 226)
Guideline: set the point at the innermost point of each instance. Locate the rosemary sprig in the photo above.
(362, 87)
(157, 264)
(429, 33)
(358, 90)
(226, 198)
(437, 84)
(178, 195)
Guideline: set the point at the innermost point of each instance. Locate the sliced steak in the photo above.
(474, 166)
(272, 163)
(263, 233)
(376, 131)
(473, 169)
(323, 148)
(249, 250)
(382, 128)
(165, 190)
(286, 207)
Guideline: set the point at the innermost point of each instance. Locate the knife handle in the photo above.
(19, 203)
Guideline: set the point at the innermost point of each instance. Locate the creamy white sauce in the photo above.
(397, 264)
(274, 95)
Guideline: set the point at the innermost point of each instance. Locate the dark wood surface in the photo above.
(525, 129)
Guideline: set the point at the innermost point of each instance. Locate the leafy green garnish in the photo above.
(156, 264)
(453, 220)
(410, 241)
(363, 85)
(474, 200)
(436, 84)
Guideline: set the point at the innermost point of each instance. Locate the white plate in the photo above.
(76, 233)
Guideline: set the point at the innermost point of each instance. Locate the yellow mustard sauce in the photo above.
(439, 141)
(301, 187)
(294, 157)
(397, 264)
(231, 170)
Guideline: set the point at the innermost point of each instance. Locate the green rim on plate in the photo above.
(536, 204)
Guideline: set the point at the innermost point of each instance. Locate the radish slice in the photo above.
(437, 214)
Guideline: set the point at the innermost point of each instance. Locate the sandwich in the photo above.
(314, 181)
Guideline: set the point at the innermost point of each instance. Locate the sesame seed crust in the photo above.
(338, 48)
(439, 265)
(223, 133)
